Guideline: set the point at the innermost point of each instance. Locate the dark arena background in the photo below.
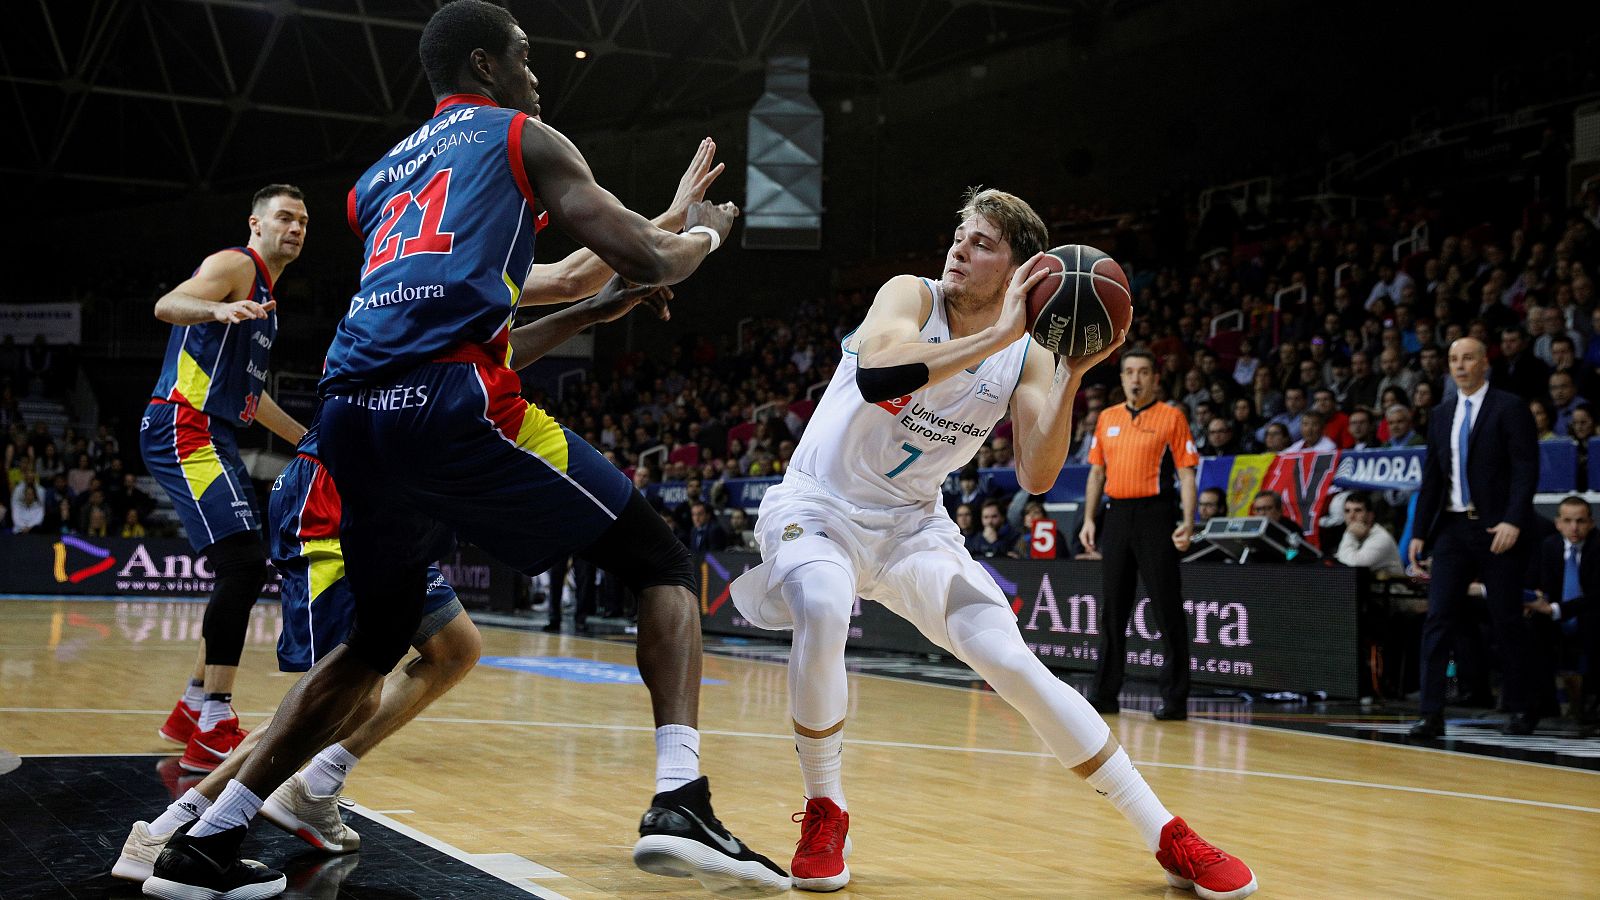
(1317, 207)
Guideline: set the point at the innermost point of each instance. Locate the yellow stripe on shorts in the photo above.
(543, 437)
(201, 469)
(327, 563)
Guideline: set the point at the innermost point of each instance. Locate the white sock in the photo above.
(326, 772)
(215, 708)
(1122, 784)
(677, 757)
(185, 809)
(194, 695)
(821, 765)
(237, 806)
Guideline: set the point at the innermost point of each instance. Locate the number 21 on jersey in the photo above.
(388, 245)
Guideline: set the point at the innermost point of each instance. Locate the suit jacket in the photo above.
(1553, 570)
(1502, 465)
(709, 536)
(1524, 374)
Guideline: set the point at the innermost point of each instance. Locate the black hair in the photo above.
(457, 29)
(275, 190)
(1361, 497)
(1137, 354)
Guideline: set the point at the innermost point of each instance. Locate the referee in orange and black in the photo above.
(1137, 446)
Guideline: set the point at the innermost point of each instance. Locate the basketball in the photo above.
(1079, 312)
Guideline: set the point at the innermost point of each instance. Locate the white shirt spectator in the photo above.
(16, 492)
(1391, 291)
(1378, 552)
(1323, 445)
(802, 359)
(25, 516)
(1541, 349)
(1244, 370)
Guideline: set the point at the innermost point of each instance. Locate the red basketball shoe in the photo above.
(179, 725)
(207, 749)
(1191, 862)
(824, 843)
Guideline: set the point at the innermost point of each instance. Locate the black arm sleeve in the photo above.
(889, 382)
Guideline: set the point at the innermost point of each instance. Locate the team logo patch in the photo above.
(897, 405)
(792, 531)
(986, 391)
(1113, 431)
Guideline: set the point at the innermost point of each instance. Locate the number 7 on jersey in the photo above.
(912, 454)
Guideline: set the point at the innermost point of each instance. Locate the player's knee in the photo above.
(999, 662)
(821, 596)
(455, 649)
(984, 634)
(240, 567)
(668, 565)
(238, 556)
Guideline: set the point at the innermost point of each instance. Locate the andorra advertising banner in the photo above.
(80, 565)
(1262, 627)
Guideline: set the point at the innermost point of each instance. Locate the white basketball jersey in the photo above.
(898, 452)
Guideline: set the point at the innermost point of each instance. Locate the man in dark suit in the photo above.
(1562, 611)
(1518, 370)
(705, 534)
(1476, 501)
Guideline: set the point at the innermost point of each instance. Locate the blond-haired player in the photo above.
(923, 381)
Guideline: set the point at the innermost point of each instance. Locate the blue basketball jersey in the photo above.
(447, 221)
(220, 369)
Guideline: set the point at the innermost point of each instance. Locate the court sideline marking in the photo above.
(905, 745)
(1202, 715)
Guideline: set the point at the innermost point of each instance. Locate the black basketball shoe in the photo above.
(680, 837)
(209, 868)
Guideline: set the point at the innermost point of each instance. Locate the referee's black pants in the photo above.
(1136, 542)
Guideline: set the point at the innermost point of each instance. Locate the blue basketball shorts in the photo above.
(195, 458)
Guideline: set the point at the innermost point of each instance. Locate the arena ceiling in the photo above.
(153, 98)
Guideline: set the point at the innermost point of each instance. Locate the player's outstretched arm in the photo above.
(275, 420)
(1041, 408)
(893, 362)
(582, 274)
(217, 292)
(615, 300)
(627, 242)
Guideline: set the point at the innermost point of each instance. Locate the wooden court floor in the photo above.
(951, 794)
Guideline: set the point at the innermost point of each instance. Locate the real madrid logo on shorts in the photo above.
(792, 531)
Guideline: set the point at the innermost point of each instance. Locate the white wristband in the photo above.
(708, 231)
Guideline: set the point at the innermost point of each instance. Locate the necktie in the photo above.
(1461, 456)
(1569, 582)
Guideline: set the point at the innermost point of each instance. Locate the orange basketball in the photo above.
(1080, 312)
